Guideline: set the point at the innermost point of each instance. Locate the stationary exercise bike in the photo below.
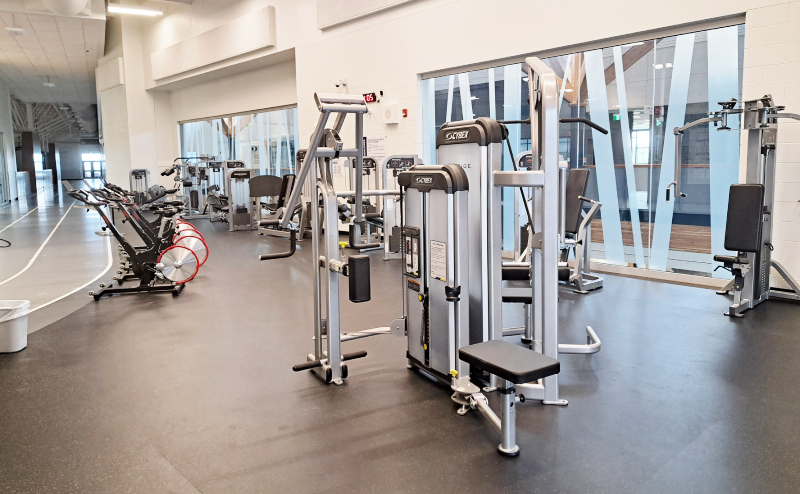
(158, 268)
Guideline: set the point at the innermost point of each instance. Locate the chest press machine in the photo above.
(748, 227)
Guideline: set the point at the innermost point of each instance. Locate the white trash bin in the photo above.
(14, 325)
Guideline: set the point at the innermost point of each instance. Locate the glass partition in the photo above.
(265, 141)
(640, 92)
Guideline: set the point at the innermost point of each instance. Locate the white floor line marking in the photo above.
(42, 246)
(11, 203)
(108, 266)
(24, 215)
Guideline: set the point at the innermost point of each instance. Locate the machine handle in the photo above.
(585, 121)
(281, 255)
(317, 363)
(586, 199)
(354, 242)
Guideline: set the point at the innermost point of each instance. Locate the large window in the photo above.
(640, 92)
(265, 141)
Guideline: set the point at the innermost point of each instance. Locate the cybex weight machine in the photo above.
(327, 361)
(748, 229)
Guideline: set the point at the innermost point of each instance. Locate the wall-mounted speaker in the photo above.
(391, 114)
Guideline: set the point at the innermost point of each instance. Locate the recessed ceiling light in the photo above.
(525, 78)
(659, 66)
(63, 108)
(474, 98)
(635, 44)
(127, 9)
(669, 65)
(567, 90)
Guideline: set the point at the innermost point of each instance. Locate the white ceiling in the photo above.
(64, 48)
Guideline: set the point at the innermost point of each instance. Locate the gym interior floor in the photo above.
(151, 393)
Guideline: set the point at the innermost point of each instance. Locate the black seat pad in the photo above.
(508, 361)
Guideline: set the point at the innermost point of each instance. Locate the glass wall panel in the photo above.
(640, 92)
(265, 141)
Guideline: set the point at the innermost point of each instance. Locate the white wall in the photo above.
(69, 156)
(772, 66)
(7, 129)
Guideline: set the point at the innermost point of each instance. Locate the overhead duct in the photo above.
(65, 7)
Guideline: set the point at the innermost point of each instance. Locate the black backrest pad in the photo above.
(509, 361)
(743, 226)
(265, 186)
(576, 187)
(286, 189)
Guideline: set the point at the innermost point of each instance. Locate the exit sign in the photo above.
(615, 117)
(370, 97)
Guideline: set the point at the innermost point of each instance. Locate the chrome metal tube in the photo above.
(487, 412)
(508, 429)
(340, 108)
(593, 345)
(347, 99)
(350, 193)
(297, 190)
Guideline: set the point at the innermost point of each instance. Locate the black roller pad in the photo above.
(516, 273)
(508, 361)
(743, 225)
(358, 267)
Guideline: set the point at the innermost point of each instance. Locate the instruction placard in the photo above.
(375, 147)
(439, 260)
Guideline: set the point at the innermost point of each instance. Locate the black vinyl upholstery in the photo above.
(743, 225)
(508, 361)
(287, 184)
(516, 273)
(265, 186)
(732, 259)
(576, 187)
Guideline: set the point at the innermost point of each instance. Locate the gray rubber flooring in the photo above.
(150, 393)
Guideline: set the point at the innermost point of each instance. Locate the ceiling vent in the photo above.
(15, 31)
(65, 7)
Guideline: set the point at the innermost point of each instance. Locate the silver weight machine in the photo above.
(748, 229)
(327, 361)
(242, 211)
(454, 270)
(477, 146)
(575, 224)
(392, 166)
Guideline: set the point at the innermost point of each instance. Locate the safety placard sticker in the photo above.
(438, 260)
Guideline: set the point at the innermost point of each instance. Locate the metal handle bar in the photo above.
(281, 255)
(585, 121)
